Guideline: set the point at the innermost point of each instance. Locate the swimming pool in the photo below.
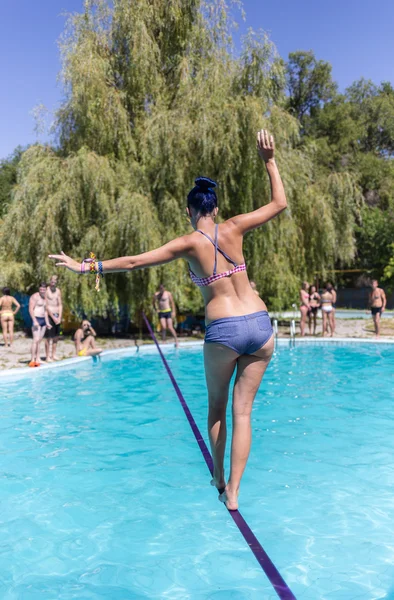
(105, 493)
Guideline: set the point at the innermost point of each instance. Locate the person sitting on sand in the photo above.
(314, 302)
(39, 315)
(85, 344)
(377, 303)
(7, 314)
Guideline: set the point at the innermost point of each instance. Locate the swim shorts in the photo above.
(165, 315)
(244, 335)
(54, 331)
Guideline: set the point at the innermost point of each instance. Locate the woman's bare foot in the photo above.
(229, 498)
(219, 483)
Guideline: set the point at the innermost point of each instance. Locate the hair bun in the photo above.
(205, 183)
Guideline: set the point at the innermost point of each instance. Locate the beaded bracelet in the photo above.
(95, 267)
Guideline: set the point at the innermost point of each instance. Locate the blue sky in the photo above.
(354, 35)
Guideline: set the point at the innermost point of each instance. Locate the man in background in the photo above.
(55, 312)
(164, 305)
(377, 303)
(39, 315)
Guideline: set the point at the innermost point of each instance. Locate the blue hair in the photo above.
(203, 197)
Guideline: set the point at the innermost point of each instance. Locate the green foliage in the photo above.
(309, 83)
(8, 176)
(373, 109)
(154, 96)
(388, 273)
(375, 237)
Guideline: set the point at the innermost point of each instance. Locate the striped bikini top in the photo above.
(203, 281)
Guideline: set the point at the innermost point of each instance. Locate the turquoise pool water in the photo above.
(104, 493)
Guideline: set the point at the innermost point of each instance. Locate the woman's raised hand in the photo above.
(265, 145)
(66, 261)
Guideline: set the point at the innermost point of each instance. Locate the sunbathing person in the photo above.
(84, 338)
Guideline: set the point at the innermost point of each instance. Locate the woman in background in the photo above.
(305, 308)
(327, 311)
(332, 290)
(314, 302)
(85, 342)
(7, 315)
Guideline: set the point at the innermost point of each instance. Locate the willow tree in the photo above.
(155, 95)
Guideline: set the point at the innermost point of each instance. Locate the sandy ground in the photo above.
(354, 328)
(19, 355)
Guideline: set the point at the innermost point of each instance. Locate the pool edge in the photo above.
(149, 348)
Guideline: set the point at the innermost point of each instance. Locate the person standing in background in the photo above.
(314, 302)
(164, 304)
(39, 314)
(377, 303)
(55, 312)
(305, 306)
(326, 308)
(331, 289)
(7, 315)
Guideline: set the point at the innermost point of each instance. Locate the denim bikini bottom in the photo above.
(244, 335)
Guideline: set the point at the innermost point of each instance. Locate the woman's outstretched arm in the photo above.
(178, 248)
(249, 221)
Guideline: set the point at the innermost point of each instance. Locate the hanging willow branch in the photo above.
(154, 97)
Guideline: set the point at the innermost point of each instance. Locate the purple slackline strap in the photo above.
(262, 557)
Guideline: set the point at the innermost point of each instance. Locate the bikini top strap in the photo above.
(217, 249)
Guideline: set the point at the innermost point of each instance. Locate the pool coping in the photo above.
(151, 349)
(78, 360)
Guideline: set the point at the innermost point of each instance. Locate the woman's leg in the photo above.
(219, 363)
(324, 322)
(331, 322)
(250, 371)
(304, 312)
(91, 348)
(4, 329)
(11, 329)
